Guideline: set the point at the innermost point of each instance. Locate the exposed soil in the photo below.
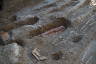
(62, 30)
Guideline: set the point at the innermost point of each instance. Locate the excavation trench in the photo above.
(49, 26)
(56, 25)
(53, 26)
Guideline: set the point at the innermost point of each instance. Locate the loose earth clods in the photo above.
(57, 55)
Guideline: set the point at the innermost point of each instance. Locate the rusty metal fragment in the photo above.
(54, 30)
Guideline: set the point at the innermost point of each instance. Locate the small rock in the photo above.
(93, 2)
(10, 54)
(5, 37)
(14, 54)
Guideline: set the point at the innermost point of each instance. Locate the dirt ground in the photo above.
(65, 41)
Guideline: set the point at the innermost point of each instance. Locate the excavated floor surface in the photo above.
(51, 37)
